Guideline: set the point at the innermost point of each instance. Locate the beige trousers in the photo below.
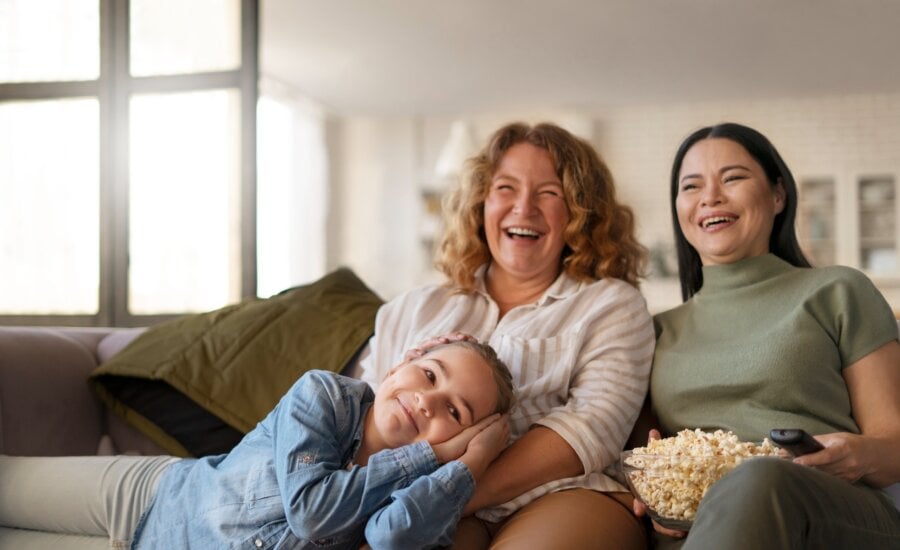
(80, 495)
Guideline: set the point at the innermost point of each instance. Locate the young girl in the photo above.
(333, 465)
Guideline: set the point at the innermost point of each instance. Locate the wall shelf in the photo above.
(867, 227)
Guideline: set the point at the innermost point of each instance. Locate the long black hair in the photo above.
(783, 241)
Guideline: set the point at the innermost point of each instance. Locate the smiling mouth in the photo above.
(409, 415)
(522, 233)
(716, 220)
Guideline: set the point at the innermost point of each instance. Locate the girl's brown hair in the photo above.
(600, 236)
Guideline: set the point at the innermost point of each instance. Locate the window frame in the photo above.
(113, 90)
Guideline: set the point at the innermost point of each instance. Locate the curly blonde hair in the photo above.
(600, 236)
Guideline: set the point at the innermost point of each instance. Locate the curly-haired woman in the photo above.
(542, 263)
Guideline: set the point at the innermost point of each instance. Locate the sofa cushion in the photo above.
(196, 384)
(45, 406)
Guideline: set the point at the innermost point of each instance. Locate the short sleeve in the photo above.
(861, 320)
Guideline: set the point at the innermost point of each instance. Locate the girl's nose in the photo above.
(424, 403)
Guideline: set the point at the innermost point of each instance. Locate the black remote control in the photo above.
(797, 442)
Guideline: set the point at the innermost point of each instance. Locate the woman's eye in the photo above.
(734, 177)
(453, 412)
(429, 374)
(688, 186)
(552, 190)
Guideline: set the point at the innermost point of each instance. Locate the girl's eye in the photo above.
(453, 412)
(429, 374)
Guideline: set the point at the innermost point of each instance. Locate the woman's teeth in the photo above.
(522, 232)
(718, 219)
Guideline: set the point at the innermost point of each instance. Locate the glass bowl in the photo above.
(672, 486)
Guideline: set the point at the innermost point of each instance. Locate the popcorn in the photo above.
(672, 475)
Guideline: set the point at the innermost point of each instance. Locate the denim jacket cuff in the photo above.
(417, 459)
(457, 480)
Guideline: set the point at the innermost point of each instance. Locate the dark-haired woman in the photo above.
(765, 341)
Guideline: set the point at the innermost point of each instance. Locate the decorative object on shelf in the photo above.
(663, 260)
(876, 190)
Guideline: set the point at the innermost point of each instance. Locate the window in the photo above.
(127, 158)
(49, 211)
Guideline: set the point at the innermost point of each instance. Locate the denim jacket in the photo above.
(290, 484)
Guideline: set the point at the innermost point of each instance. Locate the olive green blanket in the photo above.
(196, 384)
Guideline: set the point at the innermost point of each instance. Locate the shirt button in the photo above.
(258, 543)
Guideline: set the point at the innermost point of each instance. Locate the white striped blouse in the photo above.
(580, 358)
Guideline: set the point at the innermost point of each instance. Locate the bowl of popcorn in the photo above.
(672, 475)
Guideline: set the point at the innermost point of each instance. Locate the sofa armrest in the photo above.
(46, 406)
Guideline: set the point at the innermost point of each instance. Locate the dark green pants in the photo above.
(773, 504)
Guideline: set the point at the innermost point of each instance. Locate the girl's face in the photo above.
(434, 397)
(726, 205)
(525, 215)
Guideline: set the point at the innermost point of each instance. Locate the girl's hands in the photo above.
(456, 446)
(640, 509)
(423, 347)
(486, 445)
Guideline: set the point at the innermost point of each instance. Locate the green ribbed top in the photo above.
(762, 346)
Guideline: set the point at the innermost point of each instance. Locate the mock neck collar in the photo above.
(743, 273)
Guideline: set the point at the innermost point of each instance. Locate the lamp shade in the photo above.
(459, 147)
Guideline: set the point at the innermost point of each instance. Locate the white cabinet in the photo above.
(878, 225)
(851, 221)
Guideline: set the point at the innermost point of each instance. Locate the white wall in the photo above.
(380, 165)
(375, 209)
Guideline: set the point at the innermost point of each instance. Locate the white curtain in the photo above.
(292, 189)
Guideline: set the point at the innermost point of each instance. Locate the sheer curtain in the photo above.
(292, 189)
